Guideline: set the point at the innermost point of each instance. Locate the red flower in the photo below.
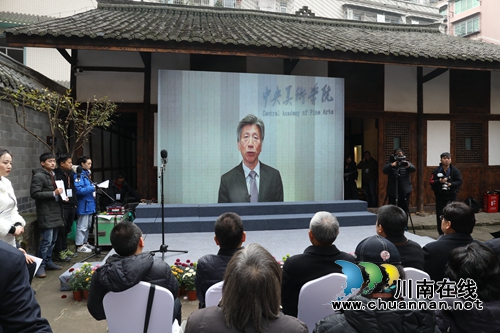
(191, 264)
(71, 269)
(177, 260)
(188, 261)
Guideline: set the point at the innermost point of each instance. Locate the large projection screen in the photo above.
(198, 113)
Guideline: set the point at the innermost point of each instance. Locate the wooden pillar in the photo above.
(144, 162)
(420, 140)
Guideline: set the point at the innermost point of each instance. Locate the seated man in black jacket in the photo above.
(391, 223)
(317, 260)
(120, 191)
(229, 235)
(127, 268)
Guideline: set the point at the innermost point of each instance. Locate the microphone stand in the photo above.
(163, 246)
(97, 248)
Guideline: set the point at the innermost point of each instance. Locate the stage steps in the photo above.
(255, 216)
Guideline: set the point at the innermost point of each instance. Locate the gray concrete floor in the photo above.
(67, 315)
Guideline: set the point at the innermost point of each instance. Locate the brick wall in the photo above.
(25, 150)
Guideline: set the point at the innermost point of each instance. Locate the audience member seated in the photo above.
(316, 261)
(494, 245)
(250, 298)
(457, 223)
(477, 262)
(229, 236)
(378, 250)
(391, 224)
(121, 192)
(127, 268)
(19, 310)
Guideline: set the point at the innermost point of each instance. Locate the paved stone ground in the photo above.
(67, 315)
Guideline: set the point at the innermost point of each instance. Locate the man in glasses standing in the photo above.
(445, 182)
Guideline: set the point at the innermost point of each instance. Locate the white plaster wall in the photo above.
(437, 93)
(493, 140)
(159, 61)
(118, 87)
(400, 89)
(438, 140)
(49, 62)
(495, 93)
(311, 68)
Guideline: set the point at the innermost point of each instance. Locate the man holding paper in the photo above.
(47, 196)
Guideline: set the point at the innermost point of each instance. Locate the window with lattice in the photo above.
(468, 143)
(397, 135)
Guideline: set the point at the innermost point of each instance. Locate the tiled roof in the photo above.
(11, 18)
(135, 25)
(13, 74)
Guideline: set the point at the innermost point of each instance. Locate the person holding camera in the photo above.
(445, 182)
(398, 171)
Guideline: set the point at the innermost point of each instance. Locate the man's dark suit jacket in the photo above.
(436, 253)
(411, 252)
(315, 262)
(233, 185)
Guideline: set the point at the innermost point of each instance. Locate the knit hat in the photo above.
(377, 250)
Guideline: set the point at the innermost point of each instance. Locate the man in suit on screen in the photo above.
(251, 180)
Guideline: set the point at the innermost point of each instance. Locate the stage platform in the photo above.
(187, 218)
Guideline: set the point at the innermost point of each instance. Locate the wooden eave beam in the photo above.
(87, 43)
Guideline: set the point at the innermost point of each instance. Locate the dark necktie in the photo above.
(53, 180)
(254, 192)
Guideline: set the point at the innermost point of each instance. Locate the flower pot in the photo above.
(77, 295)
(182, 291)
(85, 294)
(192, 295)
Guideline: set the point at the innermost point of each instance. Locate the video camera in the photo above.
(445, 186)
(401, 161)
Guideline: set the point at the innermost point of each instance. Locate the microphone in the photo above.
(164, 155)
(78, 173)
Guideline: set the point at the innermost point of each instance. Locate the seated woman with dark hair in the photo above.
(477, 262)
(251, 298)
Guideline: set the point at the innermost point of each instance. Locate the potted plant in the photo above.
(80, 279)
(188, 280)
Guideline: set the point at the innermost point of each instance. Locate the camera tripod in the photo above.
(406, 208)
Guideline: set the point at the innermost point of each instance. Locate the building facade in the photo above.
(473, 19)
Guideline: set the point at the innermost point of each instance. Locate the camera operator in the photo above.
(445, 182)
(398, 170)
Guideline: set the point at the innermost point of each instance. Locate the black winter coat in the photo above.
(455, 179)
(486, 320)
(121, 273)
(404, 180)
(370, 321)
(49, 212)
(210, 270)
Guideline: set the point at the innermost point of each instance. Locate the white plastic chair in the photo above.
(214, 294)
(415, 275)
(315, 298)
(126, 310)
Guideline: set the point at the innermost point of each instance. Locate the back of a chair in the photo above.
(414, 275)
(214, 294)
(126, 310)
(315, 298)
